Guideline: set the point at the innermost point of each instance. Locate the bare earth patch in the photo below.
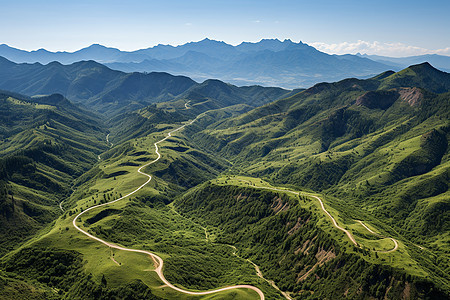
(412, 96)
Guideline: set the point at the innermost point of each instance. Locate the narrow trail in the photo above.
(381, 236)
(107, 141)
(271, 282)
(350, 236)
(159, 262)
(235, 250)
(111, 255)
(260, 274)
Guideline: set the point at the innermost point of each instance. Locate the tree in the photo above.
(104, 283)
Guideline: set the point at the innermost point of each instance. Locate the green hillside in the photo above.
(337, 191)
(111, 92)
(211, 95)
(46, 143)
(378, 146)
(292, 244)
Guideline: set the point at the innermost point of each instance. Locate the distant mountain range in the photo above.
(439, 61)
(270, 62)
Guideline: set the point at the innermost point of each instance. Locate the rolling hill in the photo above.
(338, 135)
(92, 84)
(110, 92)
(46, 143)
(336, 191)
(377, 147)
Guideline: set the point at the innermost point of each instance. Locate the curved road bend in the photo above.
(379, 235)
(321, 204)
(108, 142)
(350, 236)
(160, 261)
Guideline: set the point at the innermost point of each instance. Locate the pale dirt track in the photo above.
(159, 260)
(260, 274)
(379, 235)
(108, 142)
(350, 236)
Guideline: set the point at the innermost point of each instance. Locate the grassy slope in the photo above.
(386, 165)
(146, 222)
(318, 132)
(290, 236)
(47, 142)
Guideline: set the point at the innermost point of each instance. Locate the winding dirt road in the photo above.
(379, 235)
(350, 236)
(108, 142)
(159, 261)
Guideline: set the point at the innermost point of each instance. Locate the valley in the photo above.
(225, 192)
(158, 260)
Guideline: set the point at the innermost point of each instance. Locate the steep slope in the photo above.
(80, 261)
(112, 92)
(46, 143)
(288, 241)
(380, 146)
(207, 96)
(378, 156)
(423, 76)
(92, 84)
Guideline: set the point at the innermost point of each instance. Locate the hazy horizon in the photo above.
(339, 49)
(387, 28)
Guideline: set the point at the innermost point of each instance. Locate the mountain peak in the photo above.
(422, 75)
(274, 45)
(99, 47)
(423, 66)
(210, 41)
(96, 46)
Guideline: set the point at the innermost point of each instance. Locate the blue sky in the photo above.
(395, 27)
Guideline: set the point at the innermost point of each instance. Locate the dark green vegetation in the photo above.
(45, 144)
(380, 145)
(276, 232)
(376, 150)
(112, 92)
(353, 139)
(63, 271)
